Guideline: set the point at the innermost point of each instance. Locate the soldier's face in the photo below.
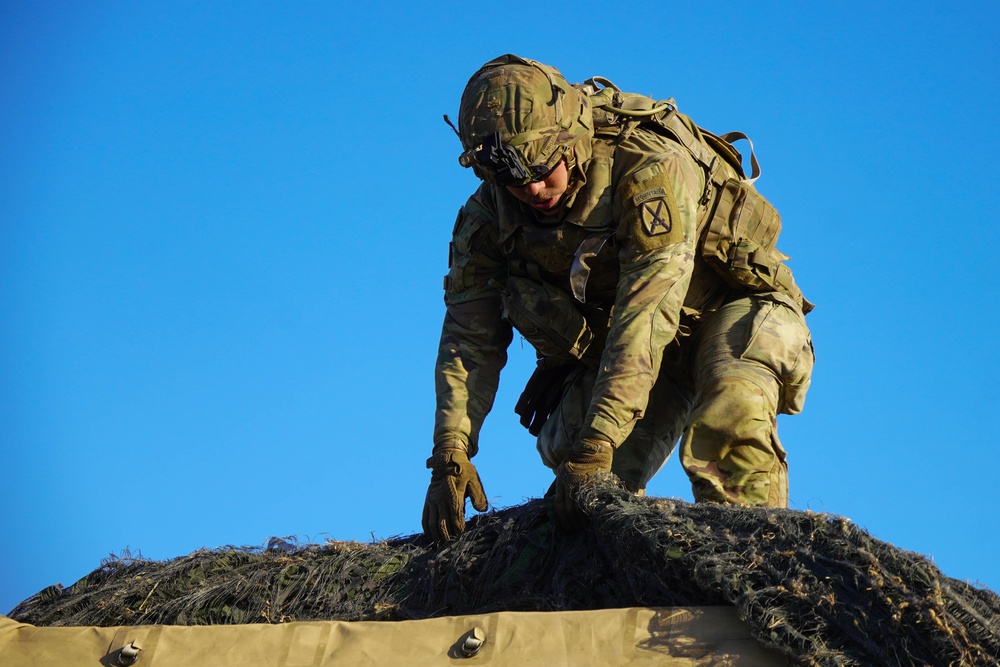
(544, 195)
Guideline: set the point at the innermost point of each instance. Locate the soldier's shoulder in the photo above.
(482, 203)
(642, 148)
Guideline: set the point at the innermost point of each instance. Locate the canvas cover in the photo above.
(670, 637)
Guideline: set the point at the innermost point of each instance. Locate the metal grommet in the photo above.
(473, 643)
(129, 654)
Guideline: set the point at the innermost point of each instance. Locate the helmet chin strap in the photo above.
(577, 175)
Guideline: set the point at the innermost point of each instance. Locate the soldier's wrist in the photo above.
(451, 460)
(451, 443)
(591, 434)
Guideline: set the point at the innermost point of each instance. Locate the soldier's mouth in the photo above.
(545, 204)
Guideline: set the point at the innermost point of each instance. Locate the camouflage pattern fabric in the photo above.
(532, 106)
(723, 400)
(754, 360)
(646, 449)
(737, 359)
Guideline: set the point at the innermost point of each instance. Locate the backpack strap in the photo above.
(617, 110)
(730, 138)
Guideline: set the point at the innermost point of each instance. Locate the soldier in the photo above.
(627, 246)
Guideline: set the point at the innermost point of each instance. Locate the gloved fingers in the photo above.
(474, 490)
(441, 530)
(591, 457)
(548, 400)
(425, 519)
(537, 422)
(454, 526)
(553, 395)
(540, 396)
(454, 478)
(444, 510)
(434, 526)
(531, 386)
(527, 408)
(454, 508)
(523, 402)
(525, 412)
(569, 516)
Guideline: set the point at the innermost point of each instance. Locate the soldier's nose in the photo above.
(534, 187)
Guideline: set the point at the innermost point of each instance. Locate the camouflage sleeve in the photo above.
(474, 337)
(655, 207)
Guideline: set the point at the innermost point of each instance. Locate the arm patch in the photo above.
(650, 217)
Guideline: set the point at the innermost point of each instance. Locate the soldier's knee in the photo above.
(731, 410)
(730, 451)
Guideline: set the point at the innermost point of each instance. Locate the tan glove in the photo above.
(453, 479)
(589, 457)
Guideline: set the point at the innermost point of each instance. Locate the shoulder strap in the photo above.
(729, 138)
(613, 110)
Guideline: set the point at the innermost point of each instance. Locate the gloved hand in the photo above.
(541, 395)
(590, 457)
(453, 479)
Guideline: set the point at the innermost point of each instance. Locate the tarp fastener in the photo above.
(473, 643)
(129, 654)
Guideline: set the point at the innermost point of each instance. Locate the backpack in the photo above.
(739, 228)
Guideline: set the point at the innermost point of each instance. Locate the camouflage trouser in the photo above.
(753, 358)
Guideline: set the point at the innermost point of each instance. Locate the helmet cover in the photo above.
(518, 119)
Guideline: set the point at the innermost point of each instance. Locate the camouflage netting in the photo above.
(812, 586)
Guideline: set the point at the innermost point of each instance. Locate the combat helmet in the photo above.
(519, 118)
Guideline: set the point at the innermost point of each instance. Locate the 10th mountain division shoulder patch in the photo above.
(655, 219)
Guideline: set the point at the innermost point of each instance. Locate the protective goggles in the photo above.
(504, 164)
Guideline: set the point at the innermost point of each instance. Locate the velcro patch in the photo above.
(649, 209)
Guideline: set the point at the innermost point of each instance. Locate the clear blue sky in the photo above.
(223, 228)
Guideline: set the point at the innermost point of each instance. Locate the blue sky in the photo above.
(223, 228)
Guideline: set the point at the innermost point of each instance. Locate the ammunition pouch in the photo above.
(739, 242)
(546, 317)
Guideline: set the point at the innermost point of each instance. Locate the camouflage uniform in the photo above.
(676, 351)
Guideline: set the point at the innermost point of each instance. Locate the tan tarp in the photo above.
(673, 637)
